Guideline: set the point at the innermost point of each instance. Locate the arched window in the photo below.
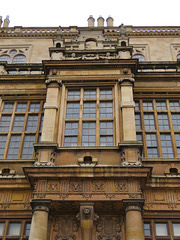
(5, 58)
(20, 58)
(58, 45)
(140, 57)
(90, 43)
(123, 44)
(178, 56)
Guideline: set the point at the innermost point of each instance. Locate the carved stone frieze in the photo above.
(75, 186)
(109, 227)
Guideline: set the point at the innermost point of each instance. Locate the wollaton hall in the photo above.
(89, 132)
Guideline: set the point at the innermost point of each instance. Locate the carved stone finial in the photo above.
(53, 81)
(2, 70)
(122, 30)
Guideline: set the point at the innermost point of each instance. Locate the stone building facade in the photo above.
(90, 132)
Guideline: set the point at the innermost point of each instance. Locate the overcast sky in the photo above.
(64, 13)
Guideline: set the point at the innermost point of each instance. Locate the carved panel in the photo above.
(65, 227)
(109, 227)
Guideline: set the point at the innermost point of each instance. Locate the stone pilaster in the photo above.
(39, 224)
(50, 112)
(87, 217)
(134, 223)
(127, 108)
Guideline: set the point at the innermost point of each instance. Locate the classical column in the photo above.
(39, 224)
(134, 223)
(50, 110)
(87, 218)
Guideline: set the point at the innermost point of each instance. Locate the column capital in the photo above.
(126, 81)
(133, 205)
(53, 83)
(40, 205)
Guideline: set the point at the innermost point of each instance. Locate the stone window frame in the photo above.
(24, 229)
(150, 229)
(81, 120)
(23, 149)
(21, 50)
(158, 149)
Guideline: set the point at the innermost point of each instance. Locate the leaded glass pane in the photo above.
(89, 134)
(27, 150)
(148, 106)
(138, 121)
(72, 110)
(5, 123)
(89, 110)
(176, 229)
(149, 121)
(106, 110)
(105, 93)
(32, 123)
(161, 105)
(73, 94)
(2, 224)
(3, 139)
(14, 146)
(90, 94)
(21, 107)
(176, 121)
(8, 107)
(174, 105)
(163, 121)
(18, 123)
(166, 145)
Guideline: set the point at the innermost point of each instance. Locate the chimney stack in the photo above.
(100, 21)
(91, 21)
(6, 22)
(109, 21)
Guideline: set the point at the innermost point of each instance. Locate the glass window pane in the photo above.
(147, 229)
(161, 105)
(163, 121)
(27, 150)
(73, 94)
(176, 121)
(2, 224)
(27, 229)
(177, 137)
(72, 110)
(105, 93)
(5, 58)
(13, 148)
(149, 121)
(89, 110)
(152, 149)
(34, 107)
(176, 229)
(166, 145)
(161, 229)
(19, 59)
(90, 94)
(18, 123)
(14, 229)
(138, 121)
(89, 134)
(32, 123)
(21, 107)
(174, 105)
(8, 107)
(5, 123)
(3, 139)
(148, 105)
(106, 110)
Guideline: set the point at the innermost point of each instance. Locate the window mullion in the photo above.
(97, 118)
(172, 132)
(157, 130)
(80, 117)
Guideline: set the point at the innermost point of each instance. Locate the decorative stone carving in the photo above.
(57, 56)
(98, 186)
(121, 186)
(109, 228)
(2, 70)
(75, 186)
(45, 156)
(65, 228)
